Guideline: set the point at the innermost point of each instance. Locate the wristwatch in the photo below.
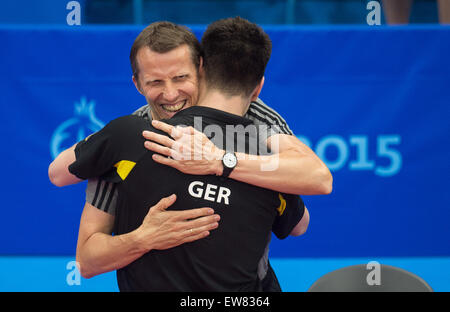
(229, 161)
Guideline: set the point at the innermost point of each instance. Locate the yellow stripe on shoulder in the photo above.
(124, 168)
(282, 204)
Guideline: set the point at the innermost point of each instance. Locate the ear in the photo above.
(200, 67)
(257, 90)
(136, 84)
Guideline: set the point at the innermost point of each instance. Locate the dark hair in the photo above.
(236, 53)
(162, 37)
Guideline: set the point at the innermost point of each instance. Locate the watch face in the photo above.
(229, 160)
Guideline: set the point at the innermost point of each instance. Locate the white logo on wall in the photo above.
(76, 128)
(385, 159)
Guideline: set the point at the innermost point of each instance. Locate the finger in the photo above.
(189, 214)
(155, 147)
(163, 126)
(165, 161)
(165, 202)
(176, 133)
(192, 238)
(197, 230)
(158, 138)
(204, 228)
(209, 222)
(198, 233)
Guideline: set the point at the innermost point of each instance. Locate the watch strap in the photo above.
(226, 170)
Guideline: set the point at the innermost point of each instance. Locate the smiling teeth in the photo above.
(173, 107)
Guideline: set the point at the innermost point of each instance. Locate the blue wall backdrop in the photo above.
(373, 103)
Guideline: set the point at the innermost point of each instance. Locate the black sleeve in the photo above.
(290, 212)
(119, 140)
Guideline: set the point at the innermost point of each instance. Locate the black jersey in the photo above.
(226, 260)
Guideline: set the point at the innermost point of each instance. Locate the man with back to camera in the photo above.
(247, 212)
(97, 194)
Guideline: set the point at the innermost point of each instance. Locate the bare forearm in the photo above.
(58, 171)
(292, 168)
(103, 253)
(287, 172)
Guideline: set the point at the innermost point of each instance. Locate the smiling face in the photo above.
(169, 81)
